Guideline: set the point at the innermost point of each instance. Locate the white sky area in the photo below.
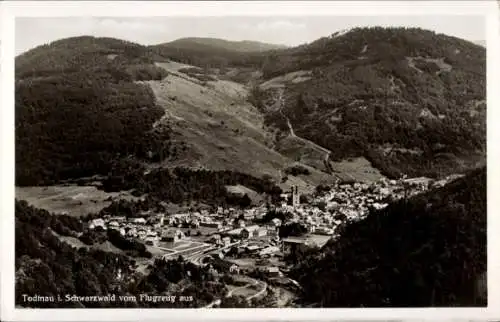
(291, 31)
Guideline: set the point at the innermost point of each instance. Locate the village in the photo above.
(241, 237)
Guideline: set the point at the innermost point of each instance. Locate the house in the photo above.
(234, 269)
(139, 221)
(172, 235)
(311, 228)
(172, 221)
(260, 232)
(272, 232)
(235, 232)
(276, 222)
(152, 233)
(274, 272)
(151, 241)
(226, 241)
(113, 225)
(142, 233)
(195, 223)
(216, 239)
(215, 224)
(247, 232)
(97, 223)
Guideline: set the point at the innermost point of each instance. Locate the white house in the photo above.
(277, 222)
(97, 223)
(226, 241)
(234, 269)
(140, 221)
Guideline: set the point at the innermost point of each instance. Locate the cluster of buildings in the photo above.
(243, 230)
(221, 227)
(323, 214)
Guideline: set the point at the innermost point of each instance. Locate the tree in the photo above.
(245, 201)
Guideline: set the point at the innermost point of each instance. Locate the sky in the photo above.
(290, 31)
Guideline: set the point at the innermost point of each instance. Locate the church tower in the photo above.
(295, 196)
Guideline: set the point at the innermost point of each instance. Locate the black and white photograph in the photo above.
(250, 161)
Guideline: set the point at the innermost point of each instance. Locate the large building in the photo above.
(172, 235)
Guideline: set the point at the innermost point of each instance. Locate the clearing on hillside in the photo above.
(71, 200)
(222, 129)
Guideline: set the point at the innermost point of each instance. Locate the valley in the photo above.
(242, 174)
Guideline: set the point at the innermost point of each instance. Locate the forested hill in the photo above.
(238, 46)
(79, 110)
(409, 100)
(427, 251)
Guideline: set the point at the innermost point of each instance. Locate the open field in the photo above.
(222, 129)
(358, 169)
(241, 190)
(293, 77)
(70, 199)
(75, 242)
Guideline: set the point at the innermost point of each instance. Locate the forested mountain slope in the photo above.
(238, 46)
(49, 267)
(409, 100)
(87, 106)
(79, 109)
(429, 250)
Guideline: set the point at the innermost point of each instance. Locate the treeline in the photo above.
(284, 216)
(297, 170)
(207, 56)
(293, 229)
(46, 266)
(181, 185)
(428, 251)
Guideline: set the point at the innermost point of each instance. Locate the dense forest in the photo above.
(203, 54)
(78, 112)
(410, 101)
(429, 250)
(181, 185)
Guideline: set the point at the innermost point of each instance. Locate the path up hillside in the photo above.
(221, 128)
(407, 100)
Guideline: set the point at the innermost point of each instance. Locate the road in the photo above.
(280, 102)
(252, 282)
(196, 257)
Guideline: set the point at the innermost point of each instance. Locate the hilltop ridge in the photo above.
(355, 104)
(239, 46)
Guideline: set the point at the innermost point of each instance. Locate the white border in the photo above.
(240, 8)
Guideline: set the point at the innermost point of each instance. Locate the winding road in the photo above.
(280, 102)
(252, 282)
